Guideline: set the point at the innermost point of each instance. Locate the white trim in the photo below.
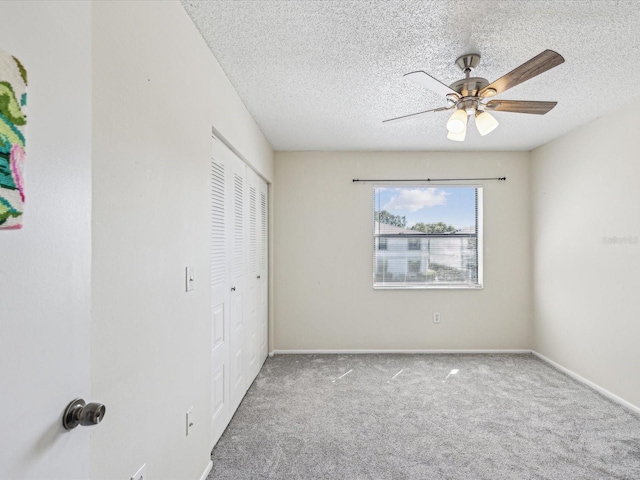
(480, 235)
(222, 139)
(410, 351)
(589, 383)
(207, 471)
(430, 286)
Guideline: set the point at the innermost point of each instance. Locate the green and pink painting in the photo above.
(13, 120)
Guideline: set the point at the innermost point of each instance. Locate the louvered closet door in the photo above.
(263, 271)
(237, 290)
(220, 313)
(255, 300)
(251, 297)
(238, 282)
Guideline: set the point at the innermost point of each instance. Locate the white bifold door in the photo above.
(255, 300)
(239, 263)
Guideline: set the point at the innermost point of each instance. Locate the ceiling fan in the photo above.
(469, 96)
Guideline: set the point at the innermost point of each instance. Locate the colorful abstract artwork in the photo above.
(13, 120)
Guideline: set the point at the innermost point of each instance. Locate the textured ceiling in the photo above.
(322, 75)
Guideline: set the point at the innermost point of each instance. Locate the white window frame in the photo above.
(479, 239)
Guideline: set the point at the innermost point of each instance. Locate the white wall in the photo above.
(585, 188)
(323, 255)
(157, 92)
(45, 267)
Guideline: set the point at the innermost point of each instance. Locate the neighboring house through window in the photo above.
(427, 237)
(413, 244)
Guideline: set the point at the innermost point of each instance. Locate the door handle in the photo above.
(258, 277)
(78, 412)
(233, 289)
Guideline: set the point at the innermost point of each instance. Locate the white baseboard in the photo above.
(207, 471)
(409, 351)
(589, 383)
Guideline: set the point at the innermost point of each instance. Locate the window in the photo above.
(427, 237)
(413, 243)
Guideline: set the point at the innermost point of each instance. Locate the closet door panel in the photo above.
(263, 270)
(237, 234)
(220, 331)
(254, 333)
(252, 300)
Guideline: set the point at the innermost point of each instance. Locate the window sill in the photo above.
(449, 286)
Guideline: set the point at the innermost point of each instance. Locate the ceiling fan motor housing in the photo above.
(469, 87)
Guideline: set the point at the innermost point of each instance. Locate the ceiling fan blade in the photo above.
(426, 80)
(537, 65)
(520, 106)
(413, 115)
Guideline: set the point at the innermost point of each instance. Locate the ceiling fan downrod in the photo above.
(468, 86)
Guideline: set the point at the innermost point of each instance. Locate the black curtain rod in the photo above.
(355, 180)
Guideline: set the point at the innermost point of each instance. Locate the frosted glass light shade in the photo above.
(457, 122)
(457, 137)
(486, 123)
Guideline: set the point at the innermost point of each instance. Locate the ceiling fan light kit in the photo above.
(469, 96)
(457, 122)
(485, 123)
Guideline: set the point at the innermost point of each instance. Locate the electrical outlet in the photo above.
(141, 474)
(436, 317)
(189, 419)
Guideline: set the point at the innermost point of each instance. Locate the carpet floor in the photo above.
(382, 417)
